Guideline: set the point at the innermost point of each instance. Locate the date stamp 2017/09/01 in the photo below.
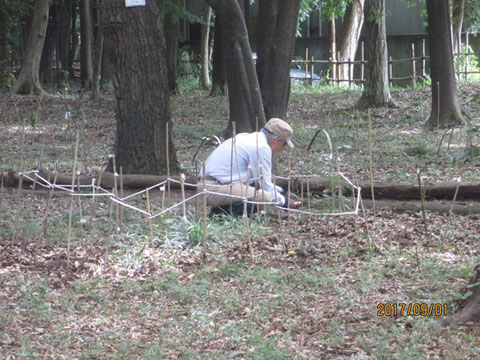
(415, 309)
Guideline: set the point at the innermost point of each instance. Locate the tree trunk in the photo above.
(172, 31)
(219, 77)
(28, 81)
(445, 109)
(97, 59)
(86, 61)
(376, 92)
(348, 42)
(65, 9)
(4, 52)
(204, 48)
(457, 17)
(74, 37)
(277, 25)
(135, 43)
(332, 47)
(243, 90)
(48, 51)
(469, 309)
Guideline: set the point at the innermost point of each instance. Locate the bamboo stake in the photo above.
(246, 228)
(424, 59)
(362, 68)
(196, 189)
(422, 199)
(149, 220)
(263, 195)
(70, 214)
(94, 200)
(204, 197)
(414, 70)
(370, 162)
(47, 207)
(80, 213)
(182, 187)
(121, 195)
(168, 162)
(288, 193)
(115, 191)
(20, 181)
(438, 104)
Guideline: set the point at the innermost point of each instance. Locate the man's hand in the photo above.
(293, 202)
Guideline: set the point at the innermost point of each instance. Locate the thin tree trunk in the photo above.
(172, 31)
(97, 59)
(48, 51)
(65, 9)
(277, 25)
(457, 18)
(28, 81)
(204, 47)
(244, 95)
(332, 47)
(376, 92)
(219, 77)
(74, 40)
(348, 41)
(135, 43)
(86, 61)
(445, 110)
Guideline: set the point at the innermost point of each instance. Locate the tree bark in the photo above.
(86, 60)
(28, 81)
(457, 17)
(445, 110)
(74, 37)
(135, 43)
(48, 51)
(332, 47)
(348, 41)
(243, 90)
(277, 25)
(219, 73)
(4, 49)
(97, 58)
(469, 309)
(376, 92)
(172, 31)
(65, 9)
(204, 47)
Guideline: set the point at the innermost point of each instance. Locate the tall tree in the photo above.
(445, 109)
(243, 90)
(28, 81)
(219, 74)
(65, 9)
(97, 53)
(376, 92)
(348, 41)
(86, 45)
(457, 17)
(204, 47)
(171, 26)
(277, 24)
(135, 43)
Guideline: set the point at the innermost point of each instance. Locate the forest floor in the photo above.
(141, 292)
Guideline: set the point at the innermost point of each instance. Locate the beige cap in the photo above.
(280, 128)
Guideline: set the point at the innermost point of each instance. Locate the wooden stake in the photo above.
(196, 199)
(204, 197)
(438, 104)
(422, 198)
(47, 208)
(115, 192)
(149, 220)
(182, 187)
(70, 214)
(168, 162)
(288, 193)
(94, 200)
(370, 163)
(246, 228)
(121, 195)
(80, 213)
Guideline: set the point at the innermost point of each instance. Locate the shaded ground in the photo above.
(129, 295)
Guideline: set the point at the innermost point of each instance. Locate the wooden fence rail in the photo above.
(334, 66)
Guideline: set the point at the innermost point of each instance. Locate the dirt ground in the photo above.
(314, 286)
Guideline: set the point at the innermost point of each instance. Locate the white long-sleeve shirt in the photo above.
(219, 164)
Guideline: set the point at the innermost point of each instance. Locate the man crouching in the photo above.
(247, 157)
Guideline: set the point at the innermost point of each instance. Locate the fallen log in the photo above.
(430, 206)
(130, 181)
(399, 191)
(317, 186)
